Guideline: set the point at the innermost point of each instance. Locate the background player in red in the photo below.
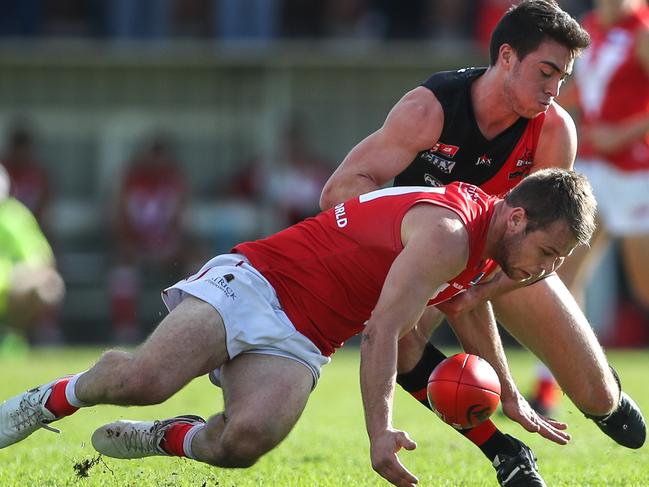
(29, 180)
(272, 313)
(492, 127)
(148, 229)
(612, 95)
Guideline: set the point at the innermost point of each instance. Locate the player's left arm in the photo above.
(609, 138)
(477, 332)
(435, 250)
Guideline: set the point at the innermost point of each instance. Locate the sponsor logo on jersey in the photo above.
(457, 285)
(440, 163)
(526, 160)
(484, 160)
(221, 283)
(445, 149)
(524, 164)
(432, 181)
(339, 212)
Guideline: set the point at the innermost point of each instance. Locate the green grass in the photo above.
(328, 447)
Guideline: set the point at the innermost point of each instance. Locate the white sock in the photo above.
(70, 393)
(189, 437)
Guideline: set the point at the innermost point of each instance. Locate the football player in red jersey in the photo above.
(270, 314)
(491, 127)
(612, 88)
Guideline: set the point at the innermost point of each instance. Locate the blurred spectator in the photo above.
(68, 18)
(149, 231)
(21, 18)
(404, 20)
(355, 19)
(192, 19)
(289, 182)
(135, 19)
(256, 20)
(300, 19)
(487, 15)
(29, 180)
(446, 19)
(30, 286)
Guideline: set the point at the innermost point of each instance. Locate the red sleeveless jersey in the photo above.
(328, 271)
(613, 86)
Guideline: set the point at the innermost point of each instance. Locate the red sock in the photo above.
(174, 438)
(548, 393)
(481, 433)
(57, 403)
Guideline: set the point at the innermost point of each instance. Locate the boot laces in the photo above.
(30, 412)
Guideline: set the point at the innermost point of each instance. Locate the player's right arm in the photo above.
(414, 124)
(435, 250)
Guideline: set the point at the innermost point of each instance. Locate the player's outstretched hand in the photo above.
(383, 452)
(519, 410)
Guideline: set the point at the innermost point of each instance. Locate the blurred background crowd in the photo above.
(259, 20)
(145, 136)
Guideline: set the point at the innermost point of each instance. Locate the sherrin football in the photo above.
(464, 390)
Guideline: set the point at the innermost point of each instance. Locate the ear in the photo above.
(517, 220)
(506, 55)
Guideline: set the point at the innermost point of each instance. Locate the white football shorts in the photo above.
(253, 317)
(622, 197)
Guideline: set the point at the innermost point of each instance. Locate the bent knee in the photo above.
(599, 399)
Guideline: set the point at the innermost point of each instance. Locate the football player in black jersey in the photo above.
(532, 52)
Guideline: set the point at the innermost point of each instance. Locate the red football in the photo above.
(464, 390)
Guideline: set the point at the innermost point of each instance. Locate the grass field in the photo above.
(328, 447)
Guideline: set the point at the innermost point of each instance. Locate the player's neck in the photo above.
(496, 230)
(493, 113)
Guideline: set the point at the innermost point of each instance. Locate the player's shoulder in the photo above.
(436, 223)
(557, 143)
(417, 118)
(558, 123)
(451, 81)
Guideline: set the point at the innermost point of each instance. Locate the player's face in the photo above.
(533, 83)
(529, 256)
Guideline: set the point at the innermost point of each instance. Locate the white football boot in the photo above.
(136, 439)
(23, 414)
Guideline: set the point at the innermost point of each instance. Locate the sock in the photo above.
(178, 438)
(490, 440)
(415, 382)
(58, 403)
(547, 393)
(71, 394)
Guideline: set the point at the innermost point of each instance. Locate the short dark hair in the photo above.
(550, 195)
(527, 25)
